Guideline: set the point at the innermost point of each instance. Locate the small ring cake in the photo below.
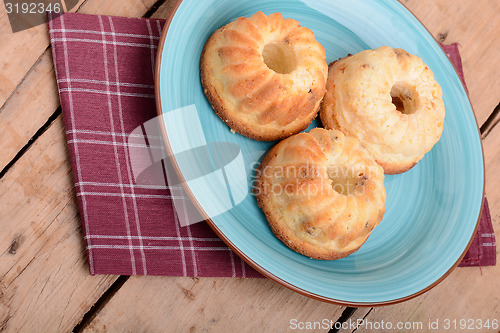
(265, 76)
(389, 100)
(322, 193)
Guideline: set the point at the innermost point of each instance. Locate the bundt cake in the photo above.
(321, 192)
(388, 99)
(264, 76)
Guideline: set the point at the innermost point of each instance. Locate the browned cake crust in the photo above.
(388, 99)
(253, 99)
(321, 192)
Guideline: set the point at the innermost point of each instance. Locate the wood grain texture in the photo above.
(475, 25)
(4, 21)
(25, 112)
(492, 121)
(468, 292)
(25, 47)
(28, 90)
(176, 304)
(44, 280)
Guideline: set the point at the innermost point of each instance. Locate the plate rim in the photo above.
(241, 254)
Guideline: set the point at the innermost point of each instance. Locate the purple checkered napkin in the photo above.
(104, 68)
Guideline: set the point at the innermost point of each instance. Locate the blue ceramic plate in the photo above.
(431, 210)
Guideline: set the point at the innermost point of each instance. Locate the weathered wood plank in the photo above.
(26, 111)
(177, 304)
(4, 21)
(35, 97)
(45, 285)
(468, 292)
(492, 121)
(476, 27)
(25, 47)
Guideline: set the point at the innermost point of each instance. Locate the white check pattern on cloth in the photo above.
(129, 228)
(71, 112)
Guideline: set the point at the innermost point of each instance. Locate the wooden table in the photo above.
(44, 279)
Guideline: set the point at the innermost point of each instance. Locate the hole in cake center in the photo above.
(279, 57)
(346, 180)
(404, 98)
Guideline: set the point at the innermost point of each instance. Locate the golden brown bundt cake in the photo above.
(389, 100)
(265, 76)
(322, 193)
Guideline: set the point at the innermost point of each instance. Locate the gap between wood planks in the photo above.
(348, 313)
(491, 122)
(150, 12)
(101, 302)
(58, 111)
(335, 330)
(485, 129)
(32, 68)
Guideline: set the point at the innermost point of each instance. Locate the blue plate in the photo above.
(431, 210)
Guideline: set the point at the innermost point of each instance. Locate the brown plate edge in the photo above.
(249, 261)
